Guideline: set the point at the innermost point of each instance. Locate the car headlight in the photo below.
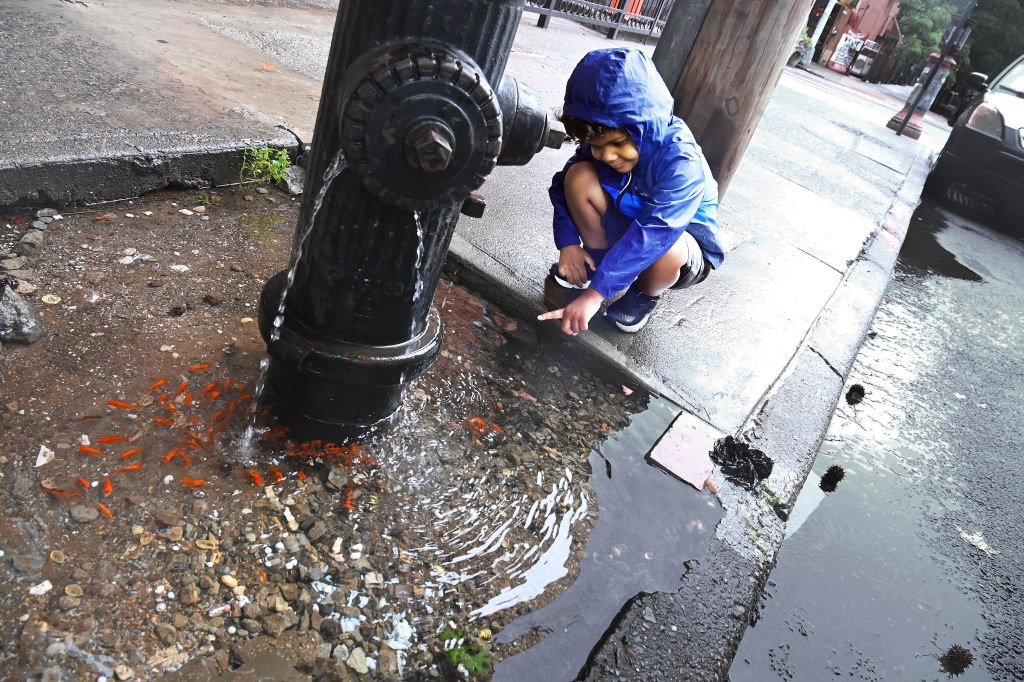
(986, 119)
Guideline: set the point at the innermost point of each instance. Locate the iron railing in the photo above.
(641, 17)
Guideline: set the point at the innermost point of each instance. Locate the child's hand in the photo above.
(573, 262)
(576, 316)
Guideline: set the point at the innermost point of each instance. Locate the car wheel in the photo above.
(937, 183)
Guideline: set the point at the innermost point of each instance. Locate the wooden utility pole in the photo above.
(723, 82)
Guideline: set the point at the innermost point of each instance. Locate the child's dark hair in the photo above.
(580, 130)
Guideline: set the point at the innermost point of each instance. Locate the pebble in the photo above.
(84, 514)
(40, 589)
(16, 263)
(357, 661)
(29, 242)
(73, 590)
(229, 581)
(23, 487)
(123, 672)
(27, 563)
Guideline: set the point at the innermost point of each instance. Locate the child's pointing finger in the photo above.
(553, 315)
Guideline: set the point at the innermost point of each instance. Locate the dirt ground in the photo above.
(134, 548)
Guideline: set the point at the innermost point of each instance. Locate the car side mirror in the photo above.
(978, 81)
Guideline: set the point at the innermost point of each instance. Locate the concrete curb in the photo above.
(693, 634)
(61, 182)
(481, 272)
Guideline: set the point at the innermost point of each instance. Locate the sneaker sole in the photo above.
(566, 284)
(630, 328)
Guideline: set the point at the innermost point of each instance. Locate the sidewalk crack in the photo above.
(838, 373)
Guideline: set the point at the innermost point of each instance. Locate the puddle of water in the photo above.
(648, 524)
(922, 253)
(875, 580)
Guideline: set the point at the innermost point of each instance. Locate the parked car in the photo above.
(984, 155)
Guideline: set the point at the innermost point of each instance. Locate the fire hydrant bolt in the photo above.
(429, 147)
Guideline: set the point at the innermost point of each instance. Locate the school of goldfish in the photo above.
(182, 414)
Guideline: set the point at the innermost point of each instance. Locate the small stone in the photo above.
(154, 283)
(199, 209)
(357, 661)
(27, 562)
(387, 660)
(213, 299)
(185, 211)
(66, 603)
(167, 634)
(23, 487)
(40, 589)
(123, 672)
(168, 517)
(29, 243)
(73, 590)
(18, 322)
(47, 213)
(190, 595)
(262, 190)
(330, 629)
(16, 263)
(229, 581)
(83, 513)
(38, 225)
(294, 179)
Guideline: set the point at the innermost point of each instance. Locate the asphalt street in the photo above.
(917, 550)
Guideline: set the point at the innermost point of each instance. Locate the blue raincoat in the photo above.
(671, 189)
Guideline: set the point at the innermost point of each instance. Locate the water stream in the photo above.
(333, 171)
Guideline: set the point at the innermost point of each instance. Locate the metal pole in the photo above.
(656, 19)
(971, 4)
(819, 28)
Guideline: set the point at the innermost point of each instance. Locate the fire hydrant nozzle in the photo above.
(429, 146)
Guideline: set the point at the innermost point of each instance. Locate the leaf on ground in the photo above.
(977, 540)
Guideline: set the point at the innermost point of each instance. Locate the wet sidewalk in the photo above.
(111, 101)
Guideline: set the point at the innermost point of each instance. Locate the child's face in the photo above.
(615, 148)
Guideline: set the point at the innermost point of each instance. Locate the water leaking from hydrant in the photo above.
(419, 263)
(333, 171)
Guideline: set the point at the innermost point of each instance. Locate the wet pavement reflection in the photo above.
(888, 576)
(649, 525)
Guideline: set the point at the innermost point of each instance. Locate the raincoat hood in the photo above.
(621, 88)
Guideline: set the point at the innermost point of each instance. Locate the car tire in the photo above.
(937, 183)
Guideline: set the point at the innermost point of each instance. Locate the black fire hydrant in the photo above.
(415, 113)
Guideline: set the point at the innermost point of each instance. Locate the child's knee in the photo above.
(581, 179)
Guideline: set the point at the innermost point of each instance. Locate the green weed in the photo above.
(475, 660)
(262, 165)
(260, 228)
(208, 199)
